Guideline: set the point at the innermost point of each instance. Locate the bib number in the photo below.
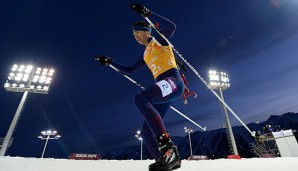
(166, 86)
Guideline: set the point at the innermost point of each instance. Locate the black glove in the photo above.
(181, 65)
(103, 60)
(139, 8)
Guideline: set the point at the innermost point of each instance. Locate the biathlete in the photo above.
(154, 102)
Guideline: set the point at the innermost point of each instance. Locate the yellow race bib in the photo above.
(159, 58)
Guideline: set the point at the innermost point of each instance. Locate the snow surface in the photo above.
(254, 164)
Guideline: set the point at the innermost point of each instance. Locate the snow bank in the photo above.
(255, 164)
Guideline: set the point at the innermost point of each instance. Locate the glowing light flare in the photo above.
(19, 76)
(38, 70)
(14, 68)
(139, 136)
(42, 79)
(6, 85)
(28, 69)
(21, 68)
(45, 88)
(25, 77)
(51, 72)
(35, 78)
(48, 80)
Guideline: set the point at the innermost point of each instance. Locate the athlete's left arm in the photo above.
(164, 26)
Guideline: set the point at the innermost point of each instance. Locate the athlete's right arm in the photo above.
(130, 69)
(105, 60)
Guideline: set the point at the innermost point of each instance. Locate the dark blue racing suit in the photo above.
(154, 102)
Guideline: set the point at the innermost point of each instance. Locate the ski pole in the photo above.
(143, 88)
(201, 78)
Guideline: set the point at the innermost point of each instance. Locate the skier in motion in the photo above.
(154, 102)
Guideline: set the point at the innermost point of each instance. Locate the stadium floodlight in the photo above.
(26, 79)
(221, 81)
(189, 131)
(48, 135)
(139, 137)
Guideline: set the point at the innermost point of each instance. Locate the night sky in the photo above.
(91, 106)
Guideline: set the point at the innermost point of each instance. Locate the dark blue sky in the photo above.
(92, 106)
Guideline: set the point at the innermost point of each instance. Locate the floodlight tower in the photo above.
(220, 81)
(139, 137)
(188, 131)
(26, 79)
(48, 135)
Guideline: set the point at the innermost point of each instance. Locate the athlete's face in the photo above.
(141, 37)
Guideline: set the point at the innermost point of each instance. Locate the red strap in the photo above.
(184, 79)
(156, 25)
(186, 92)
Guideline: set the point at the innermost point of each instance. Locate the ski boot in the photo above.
(170, 158)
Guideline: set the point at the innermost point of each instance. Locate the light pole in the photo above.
(188, 131)
(26, 79)
(48, 135)
(220, 81)
(139, 137)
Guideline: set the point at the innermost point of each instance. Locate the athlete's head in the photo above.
(141, 32)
